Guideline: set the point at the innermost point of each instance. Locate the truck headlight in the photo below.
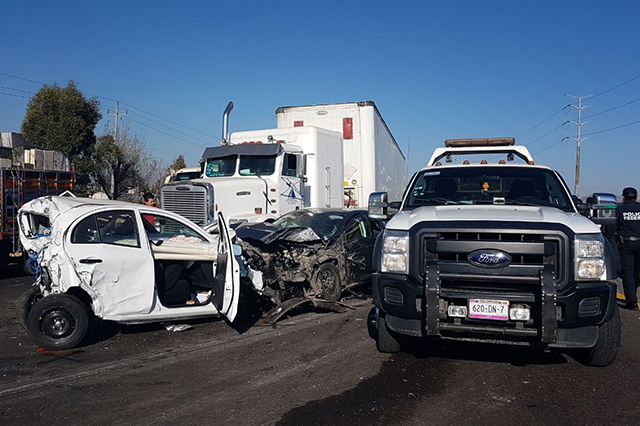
(395, 252)
(590, 257)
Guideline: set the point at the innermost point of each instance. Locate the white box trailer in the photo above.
(373, 160)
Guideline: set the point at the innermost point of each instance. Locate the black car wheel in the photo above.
(327, 280)
(605, 351)
(25, 303)
(58, 322)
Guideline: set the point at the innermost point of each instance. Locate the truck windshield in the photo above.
(187, 176)
(223, 166)
(488, 185)
(262, 165)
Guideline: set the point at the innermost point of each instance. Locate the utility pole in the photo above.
(115, 139)
(578, 139)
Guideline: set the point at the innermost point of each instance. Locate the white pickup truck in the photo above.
(489, 247)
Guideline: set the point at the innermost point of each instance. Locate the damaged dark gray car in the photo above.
(311, 253)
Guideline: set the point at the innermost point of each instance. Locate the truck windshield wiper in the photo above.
(434, 200)
(507, 202)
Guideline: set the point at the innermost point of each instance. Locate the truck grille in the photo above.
(189, 201)
(529, 250)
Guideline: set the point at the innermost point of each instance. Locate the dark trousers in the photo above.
(630, 258)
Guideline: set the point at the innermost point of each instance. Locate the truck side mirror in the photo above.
(303, 167)
(378, 206)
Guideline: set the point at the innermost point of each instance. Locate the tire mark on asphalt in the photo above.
(158, 359)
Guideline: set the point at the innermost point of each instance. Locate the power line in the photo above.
(612, 128)
(165, 133)
(546, 134)
(574, 90)
(123, 103)
(16, 90)
(612, 109)
(166, 119)
(615, 87)
(14, 95)
(545, 120)
(170, 128)
(22, 78)
(550, 146)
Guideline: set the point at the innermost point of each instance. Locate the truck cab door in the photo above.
(226, 282)
(290, 188)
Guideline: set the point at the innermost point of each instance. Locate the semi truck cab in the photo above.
(488, 247)
(262, 174)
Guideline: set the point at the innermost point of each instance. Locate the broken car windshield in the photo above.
(488, 185)
(324, 224)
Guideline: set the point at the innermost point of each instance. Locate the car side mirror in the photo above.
(378, 205)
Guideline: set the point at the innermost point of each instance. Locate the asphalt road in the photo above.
(313, 369)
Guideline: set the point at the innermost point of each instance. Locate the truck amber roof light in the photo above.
(465, 162)
(483, 162)
(502, 162)
(531, 163)
(457, 143)
(438, 164)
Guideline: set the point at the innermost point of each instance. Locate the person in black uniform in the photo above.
(629, 238)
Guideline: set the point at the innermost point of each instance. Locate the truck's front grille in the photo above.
(529, 252)
(189, 201)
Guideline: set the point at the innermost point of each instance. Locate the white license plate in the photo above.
(489, 309)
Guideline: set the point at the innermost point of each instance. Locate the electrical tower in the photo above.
(578, 139)
(117, 114)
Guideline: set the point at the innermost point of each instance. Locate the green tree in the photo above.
(62, 119)
(178, 163)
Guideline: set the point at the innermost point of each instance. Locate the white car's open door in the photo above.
(226, 283)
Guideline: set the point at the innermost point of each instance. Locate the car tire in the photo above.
(25, 303)
(328, 282)
(605, 351)
(385, 341)
(58, 322)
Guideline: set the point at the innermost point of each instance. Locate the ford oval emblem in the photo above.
(489, 258)
(322, 112)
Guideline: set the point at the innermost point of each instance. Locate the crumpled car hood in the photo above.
(265, 234)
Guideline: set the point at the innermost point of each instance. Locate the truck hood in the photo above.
(486, 213)
(236, 196)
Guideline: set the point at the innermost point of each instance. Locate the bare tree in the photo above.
(124, 165)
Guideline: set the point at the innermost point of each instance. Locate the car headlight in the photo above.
(395, 252)
(590, 257)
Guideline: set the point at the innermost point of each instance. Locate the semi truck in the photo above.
(261, 174)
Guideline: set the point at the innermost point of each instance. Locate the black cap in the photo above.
(629, 193)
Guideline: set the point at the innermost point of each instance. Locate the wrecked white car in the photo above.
(122, 262)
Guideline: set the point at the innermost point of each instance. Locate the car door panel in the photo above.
(226, 282)
(120, 271)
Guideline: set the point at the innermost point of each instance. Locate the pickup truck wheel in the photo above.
(58, 322)
(25, 303)
(605, 351)
(385, 341)
(328, 281)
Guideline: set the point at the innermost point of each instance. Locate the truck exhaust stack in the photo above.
(225, 124)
